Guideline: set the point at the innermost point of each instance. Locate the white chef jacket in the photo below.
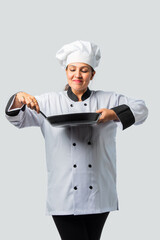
(81, 160)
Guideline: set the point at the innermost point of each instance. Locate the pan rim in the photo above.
(70, 114)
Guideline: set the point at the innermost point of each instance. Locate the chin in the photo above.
(78, 88)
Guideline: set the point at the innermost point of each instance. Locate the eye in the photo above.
(72, 70)
(85, 70)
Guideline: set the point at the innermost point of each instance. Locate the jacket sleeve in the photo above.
(129, 111)
(24, 116)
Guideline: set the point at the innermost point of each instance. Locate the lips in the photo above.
(77, 81)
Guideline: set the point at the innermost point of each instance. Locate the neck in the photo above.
(79, 93)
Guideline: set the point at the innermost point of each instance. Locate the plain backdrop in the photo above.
(128, 34)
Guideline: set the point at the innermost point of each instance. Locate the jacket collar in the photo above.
(72, 96)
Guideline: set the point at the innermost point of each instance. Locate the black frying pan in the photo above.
(73, 119)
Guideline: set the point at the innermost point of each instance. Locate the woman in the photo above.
(81, 161)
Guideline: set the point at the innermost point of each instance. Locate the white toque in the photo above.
(79, 51)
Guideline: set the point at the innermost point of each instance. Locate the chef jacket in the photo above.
(81, 160)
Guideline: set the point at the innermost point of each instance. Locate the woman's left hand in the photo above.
(106, 115)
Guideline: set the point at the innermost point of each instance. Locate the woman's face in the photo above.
(79, 76)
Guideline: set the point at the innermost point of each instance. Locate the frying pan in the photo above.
(73, 119)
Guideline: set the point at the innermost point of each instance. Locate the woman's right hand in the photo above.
(25, 98)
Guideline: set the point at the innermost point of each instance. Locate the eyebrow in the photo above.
(80, 67)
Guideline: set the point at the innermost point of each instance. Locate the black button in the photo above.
(89, 143)
(74, 144)
(85, 104)
(75, 188)
(90, 187)
(89, 165)
(71, 105)
(74, 165)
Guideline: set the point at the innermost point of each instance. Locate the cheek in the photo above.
(87, 77)
(69, 75)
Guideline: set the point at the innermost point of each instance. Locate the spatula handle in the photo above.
(43, 114)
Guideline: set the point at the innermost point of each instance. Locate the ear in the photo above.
(93, 73)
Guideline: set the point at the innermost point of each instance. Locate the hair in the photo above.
(67, 85)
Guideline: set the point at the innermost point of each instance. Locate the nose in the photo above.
(78, 73)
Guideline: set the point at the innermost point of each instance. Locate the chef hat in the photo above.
(79, 51)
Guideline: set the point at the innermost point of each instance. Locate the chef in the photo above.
(81, 160)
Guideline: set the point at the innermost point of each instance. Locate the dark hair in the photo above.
(67, 85)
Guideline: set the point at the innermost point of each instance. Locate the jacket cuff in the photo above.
(13, 112)
(125, 115)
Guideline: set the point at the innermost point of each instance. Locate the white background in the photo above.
(129, 38)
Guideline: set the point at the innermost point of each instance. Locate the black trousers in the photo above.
(80, 227)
